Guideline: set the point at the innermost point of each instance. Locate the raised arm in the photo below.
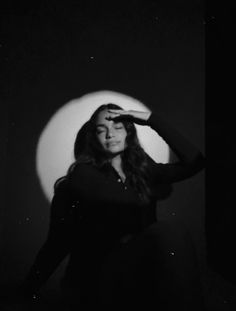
(190, 159)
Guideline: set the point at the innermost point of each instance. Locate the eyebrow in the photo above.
(104, 125)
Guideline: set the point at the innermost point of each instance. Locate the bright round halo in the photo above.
(55, 145)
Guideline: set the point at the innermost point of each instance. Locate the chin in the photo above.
(114, 151)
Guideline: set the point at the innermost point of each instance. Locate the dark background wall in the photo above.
(54, 52)
(221, 139)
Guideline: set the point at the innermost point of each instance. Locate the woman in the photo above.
(103, 216)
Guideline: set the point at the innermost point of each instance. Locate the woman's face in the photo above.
(110, 134)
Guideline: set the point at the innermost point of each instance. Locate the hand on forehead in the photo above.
(108, 115)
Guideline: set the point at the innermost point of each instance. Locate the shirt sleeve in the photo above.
(57, 244)
(190, 159)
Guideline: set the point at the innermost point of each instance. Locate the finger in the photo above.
(112, 116)
(116, 111)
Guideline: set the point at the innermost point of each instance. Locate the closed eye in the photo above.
(100, 131)
(100, 128)
(118, 126)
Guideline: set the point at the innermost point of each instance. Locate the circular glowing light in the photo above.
(55, 146)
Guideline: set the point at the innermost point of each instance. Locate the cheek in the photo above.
(125, 143)
(124, 137)
(100, 139)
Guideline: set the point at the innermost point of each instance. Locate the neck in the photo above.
(116, 162)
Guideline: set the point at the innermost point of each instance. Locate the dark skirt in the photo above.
(155, 268)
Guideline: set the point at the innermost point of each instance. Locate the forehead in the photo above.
(102, 118)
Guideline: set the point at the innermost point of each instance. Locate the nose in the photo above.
(110, 133)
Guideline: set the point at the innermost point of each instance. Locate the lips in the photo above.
(112, 143)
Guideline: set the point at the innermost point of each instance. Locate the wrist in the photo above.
(148, 115)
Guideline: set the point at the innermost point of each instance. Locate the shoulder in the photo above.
(83, 175)
(78, 175)
(82, 170)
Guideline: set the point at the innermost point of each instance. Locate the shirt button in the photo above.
(119, 180)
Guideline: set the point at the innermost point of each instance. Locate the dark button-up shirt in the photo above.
(94, 209)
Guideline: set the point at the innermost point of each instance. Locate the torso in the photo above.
(108, 203)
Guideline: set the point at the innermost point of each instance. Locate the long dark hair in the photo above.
(87, 149)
